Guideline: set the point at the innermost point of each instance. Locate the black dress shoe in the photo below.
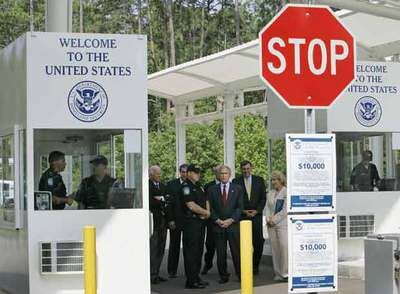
(223, 280)
(204, 283)
(154, 281)
(161, 279)
(194, 286)
(205, 269)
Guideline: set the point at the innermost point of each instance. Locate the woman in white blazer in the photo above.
(277, 225)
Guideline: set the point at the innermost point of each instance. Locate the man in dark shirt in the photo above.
(365, 176)
(196, 210)
(93, 193)
(157, 201)
(175, 220)
(52, 181)
(254, 200)
(210, 238)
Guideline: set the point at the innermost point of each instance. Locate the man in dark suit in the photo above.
(210, 240)
(254, 202)
(175, 219)
(157, 203)
(226, 202)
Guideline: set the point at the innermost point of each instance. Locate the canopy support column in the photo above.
(180, 130)
(229, 131)
(59, 15)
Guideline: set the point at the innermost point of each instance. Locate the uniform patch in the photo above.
(186, 191)
(50, 182)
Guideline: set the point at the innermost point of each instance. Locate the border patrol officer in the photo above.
(52, 181)
(196, 210)
(94, 190)
(175, 220)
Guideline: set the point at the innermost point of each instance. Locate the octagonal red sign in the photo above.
(307, 56)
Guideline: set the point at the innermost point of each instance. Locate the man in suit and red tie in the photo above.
(254, 200)
(226, 202)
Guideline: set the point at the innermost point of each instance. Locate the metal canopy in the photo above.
(237, 68)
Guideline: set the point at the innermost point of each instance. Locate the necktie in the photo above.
(248, 187)
(224, 196)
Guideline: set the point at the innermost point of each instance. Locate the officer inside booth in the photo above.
(94, 191)
(52, 181)
(84, 174)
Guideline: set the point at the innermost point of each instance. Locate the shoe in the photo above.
(204, 283)
(205, 269)
(172, 276)
(278, 279)
(161, 279)
(223, 280)
(154, 281)
(194, 286)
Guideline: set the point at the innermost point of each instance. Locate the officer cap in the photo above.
(194, 168)
(100, 159)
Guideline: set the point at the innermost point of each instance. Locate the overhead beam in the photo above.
(387, 49)
(362, 6)
(201, 78)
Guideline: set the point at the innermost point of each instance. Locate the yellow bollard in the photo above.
(246, 257)
(89, 259)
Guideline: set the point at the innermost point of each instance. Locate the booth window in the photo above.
(368, 162)
(7, 196)
(88, 169)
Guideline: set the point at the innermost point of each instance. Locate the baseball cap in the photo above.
(100, 159)
(194, 168)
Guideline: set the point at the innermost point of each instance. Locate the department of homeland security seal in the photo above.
(368, 111)
(87, 101)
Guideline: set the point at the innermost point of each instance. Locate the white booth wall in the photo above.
(39, 102)
(13, 235)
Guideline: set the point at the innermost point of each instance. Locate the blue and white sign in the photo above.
(371, 103)
(311, 172)
(86, 80)
(312, 253)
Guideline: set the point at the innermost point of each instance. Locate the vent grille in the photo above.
(361, 225)
(356, 226)
(342, 223)
(61, 257)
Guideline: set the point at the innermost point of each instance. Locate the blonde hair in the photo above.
(276, 174)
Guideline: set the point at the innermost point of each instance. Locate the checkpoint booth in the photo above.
(84, 95)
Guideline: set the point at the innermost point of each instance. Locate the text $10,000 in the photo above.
(312, 247)
(308, 165)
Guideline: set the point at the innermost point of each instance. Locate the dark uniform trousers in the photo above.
(232, 236)
(157, 244)
(175, 237)
(210, 245)
(193, 245)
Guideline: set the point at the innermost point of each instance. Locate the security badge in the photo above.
(186, 191)
(50, 182)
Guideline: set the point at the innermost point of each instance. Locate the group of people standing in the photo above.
(209, 217)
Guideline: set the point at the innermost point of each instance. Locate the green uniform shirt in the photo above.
(93, 194)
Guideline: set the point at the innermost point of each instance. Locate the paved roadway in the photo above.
(263, 283)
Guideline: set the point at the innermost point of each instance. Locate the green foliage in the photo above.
(162, 147)
(205, 147)
(251, 143)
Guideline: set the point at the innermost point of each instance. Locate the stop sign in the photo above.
(307, 56)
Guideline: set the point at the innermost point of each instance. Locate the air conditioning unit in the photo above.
(61, 257)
